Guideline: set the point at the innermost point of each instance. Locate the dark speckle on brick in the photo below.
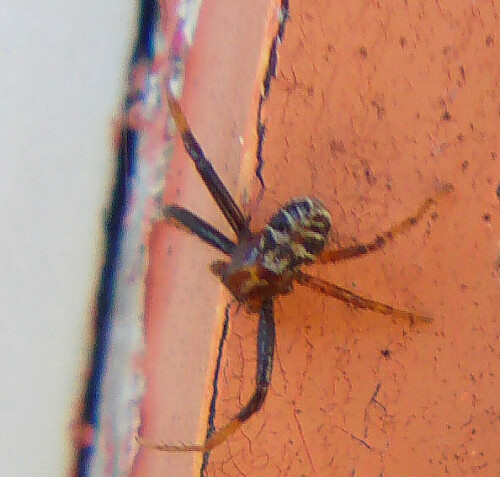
(379, 108)
(336, 147)
(446, 115)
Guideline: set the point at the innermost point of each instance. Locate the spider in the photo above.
(264, 264)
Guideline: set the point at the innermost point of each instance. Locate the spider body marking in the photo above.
(265, 264)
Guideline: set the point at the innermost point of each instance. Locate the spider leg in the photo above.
(217, 189)
(334, 255)
(265, 353)
(327, 288)
(186, 220)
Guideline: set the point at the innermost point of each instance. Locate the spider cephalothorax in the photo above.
(265, 264)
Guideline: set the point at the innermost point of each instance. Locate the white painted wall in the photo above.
(62, 71)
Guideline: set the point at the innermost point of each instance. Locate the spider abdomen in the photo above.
(295, 235)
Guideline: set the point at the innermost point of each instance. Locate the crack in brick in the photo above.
(215, 388)
(299, 426)
(266, 86)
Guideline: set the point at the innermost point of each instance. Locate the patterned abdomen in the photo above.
(295, 235)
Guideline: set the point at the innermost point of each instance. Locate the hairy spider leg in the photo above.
(265, 352)
(183, 219)
(217, 189)
(327, 288)
(381, 240)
